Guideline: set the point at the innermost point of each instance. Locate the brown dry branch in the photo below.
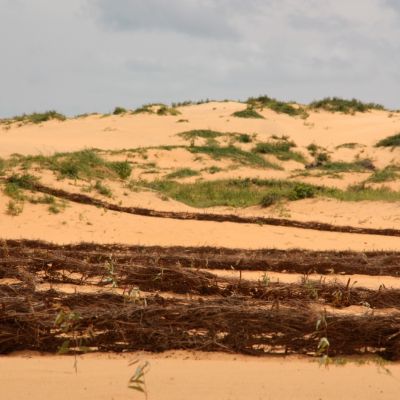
(110, 322)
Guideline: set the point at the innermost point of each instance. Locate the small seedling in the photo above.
(137, 381)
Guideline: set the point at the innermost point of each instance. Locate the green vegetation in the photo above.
(122, 168)
(165, 110)
(190, 103)
(244, 138)
(389, 173)
(251, 192)
(201, 133)
(103, 189)
(391, 141)
(2, 166)
(233, 153)
(276, 105)
(157, 108)
(146, 108)
(351, 145)
(54, 206)
(281, 149)
(213, 169)
(16, 181)
(247, 113)
(336, 104)
(182, 173)
(119, 110)
(14, 208)
(85, 164)
(342, 166)
(35, 118)
(313, 149)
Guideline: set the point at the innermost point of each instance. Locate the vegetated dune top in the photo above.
(142, 130)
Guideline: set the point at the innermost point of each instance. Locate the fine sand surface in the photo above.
(131, 131)
(195, 376)
(184, 375)
(81, 223)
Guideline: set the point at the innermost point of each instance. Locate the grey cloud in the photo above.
(190, 17)
(86, 55)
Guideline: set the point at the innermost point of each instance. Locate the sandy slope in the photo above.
(118, 132)
(90, 224)
(182, 376)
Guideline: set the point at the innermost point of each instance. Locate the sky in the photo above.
(80, 56)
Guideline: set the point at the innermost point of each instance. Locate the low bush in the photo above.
(247, 113)
(336, 104)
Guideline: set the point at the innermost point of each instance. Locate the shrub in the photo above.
(336, 104)
(119, 110)
(247, 113)
(391, 141)
(302, 191)
(122, 168)
(270, 199)
(244, 138)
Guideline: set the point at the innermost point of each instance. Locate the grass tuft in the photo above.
(182, 173)
(280, 107)
(391, 141)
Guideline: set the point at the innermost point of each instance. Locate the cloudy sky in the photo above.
(90, 55)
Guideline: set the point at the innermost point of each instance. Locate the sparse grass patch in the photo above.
(251, 192)
(35, 118)
(200, 133)
(165, 110)
(281, 149)
(158, 109)
(213, 169)
(342, 166)
(182, 173)
(2, 166)
(14, 208)
(391, 141)
(248, 113)
(85, 164)
(389, 173)
(280, 107)
(351, 145)
(103, 189)
(336, 104)
(235, 154)
(233, 192)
